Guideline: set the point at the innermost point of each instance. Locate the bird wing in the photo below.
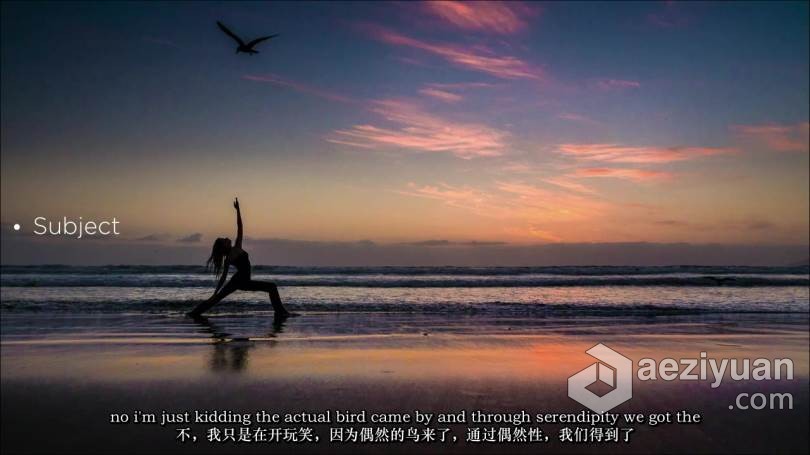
(230, 33)
(259, 40)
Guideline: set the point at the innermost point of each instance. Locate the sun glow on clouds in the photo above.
(525, 207)
(414, 129)
(534, 201)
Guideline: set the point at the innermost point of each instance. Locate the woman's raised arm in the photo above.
(238, 223)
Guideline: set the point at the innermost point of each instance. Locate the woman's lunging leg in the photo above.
(271, 289)
(226, 290)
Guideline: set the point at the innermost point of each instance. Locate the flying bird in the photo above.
(247, 48)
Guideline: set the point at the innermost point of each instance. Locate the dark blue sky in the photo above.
(124, 69)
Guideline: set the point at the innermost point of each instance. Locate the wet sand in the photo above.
(61, 378)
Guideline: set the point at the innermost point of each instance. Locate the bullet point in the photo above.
(16, 227)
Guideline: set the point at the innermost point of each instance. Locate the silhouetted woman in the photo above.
(223, 255)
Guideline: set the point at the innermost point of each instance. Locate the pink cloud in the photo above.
(417, 130)
(636, 175)
(474, 58)
(617, 84)
(441, 95)
(447, 92)
(299, 87)
(517, 167)
(503, 18)
(615, 153)
(462, 85)
(780, 138)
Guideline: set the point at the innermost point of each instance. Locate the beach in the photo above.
(65, 372)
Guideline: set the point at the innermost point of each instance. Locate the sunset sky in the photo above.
(409, 122)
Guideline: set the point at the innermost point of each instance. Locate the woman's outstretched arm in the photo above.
(238, 223)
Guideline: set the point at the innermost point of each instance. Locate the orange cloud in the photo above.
(503, 18)
(463, 197)
(477, 59)
(517, 206)
(423, 132)
(538, 200)
(781, 138)
(637, 175)
(568, 184)
(615, 153)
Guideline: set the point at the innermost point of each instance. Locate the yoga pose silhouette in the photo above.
(223, 255)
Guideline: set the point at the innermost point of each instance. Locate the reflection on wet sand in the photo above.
(331, 346)
(230, 356)
(232, 353)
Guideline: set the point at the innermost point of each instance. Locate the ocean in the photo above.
(514, 291)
